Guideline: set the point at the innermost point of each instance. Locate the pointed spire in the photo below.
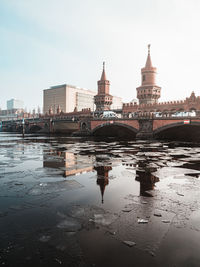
(58, 109)
(102, 187)
(103, 76)
(148, 62)
(149, 46)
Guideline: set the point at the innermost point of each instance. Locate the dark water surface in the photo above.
(73, 202)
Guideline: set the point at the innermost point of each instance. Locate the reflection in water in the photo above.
(102, 178)
(147, 181)
(44, 210)
(72, 164)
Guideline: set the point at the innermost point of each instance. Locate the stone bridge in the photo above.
(30, 125)
(183, 128)
(180, 128)
(42, 125)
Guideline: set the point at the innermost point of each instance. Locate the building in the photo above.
(103, 100)
(149, 93)
(11, 114)
(68, 98)
(14, 104)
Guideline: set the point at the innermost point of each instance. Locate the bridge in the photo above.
(29, 125)
(145, 126)
(180, 128)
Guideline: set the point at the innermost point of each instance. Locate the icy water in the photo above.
(77, 202)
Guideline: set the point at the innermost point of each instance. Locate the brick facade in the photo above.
(131, 123)
(190, 103)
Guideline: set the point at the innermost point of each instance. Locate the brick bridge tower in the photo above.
(148, 92)
(103, 99)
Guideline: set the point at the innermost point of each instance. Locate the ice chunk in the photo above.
(54, 187)
(165, 221)
(142, 221)
(44, 238)
(58, 261)
(173, 172)
(179, 194)
(77, 212)
(152, 253)
(69, 224)
(102, 157)
(157, 214)
(129, 243)
(104, 219)
(144, 202)
(126, 209)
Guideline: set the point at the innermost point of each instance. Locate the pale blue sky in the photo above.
(50, 42)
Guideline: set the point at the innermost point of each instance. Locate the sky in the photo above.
(51, 42)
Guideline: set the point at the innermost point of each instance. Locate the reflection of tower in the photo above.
(148, 92)
(147, 181)
(103, 99)
(102, 178)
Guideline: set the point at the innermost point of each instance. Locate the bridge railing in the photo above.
(138, 115)
(165, 114)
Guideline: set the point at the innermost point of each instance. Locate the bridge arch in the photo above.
(179, 131)
(115, 129)
(35, 128)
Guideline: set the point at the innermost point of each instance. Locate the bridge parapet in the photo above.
(143, 126)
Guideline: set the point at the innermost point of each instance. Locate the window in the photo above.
(143, 78)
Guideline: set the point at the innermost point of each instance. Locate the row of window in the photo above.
(149, 96)
(105, 99)
(149, 90)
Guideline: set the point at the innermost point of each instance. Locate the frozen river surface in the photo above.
(78, 202)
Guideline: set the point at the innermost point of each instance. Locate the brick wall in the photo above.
(132, 123)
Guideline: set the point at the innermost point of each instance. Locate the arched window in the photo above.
(143, 78)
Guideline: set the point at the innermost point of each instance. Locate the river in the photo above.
(77, 202)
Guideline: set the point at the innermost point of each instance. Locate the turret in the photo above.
(148, 92)
(58, 109)
(103, 100)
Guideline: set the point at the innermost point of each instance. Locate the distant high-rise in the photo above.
(67, 98)
(15, 104)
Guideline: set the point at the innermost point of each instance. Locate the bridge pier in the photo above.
(145, 129)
